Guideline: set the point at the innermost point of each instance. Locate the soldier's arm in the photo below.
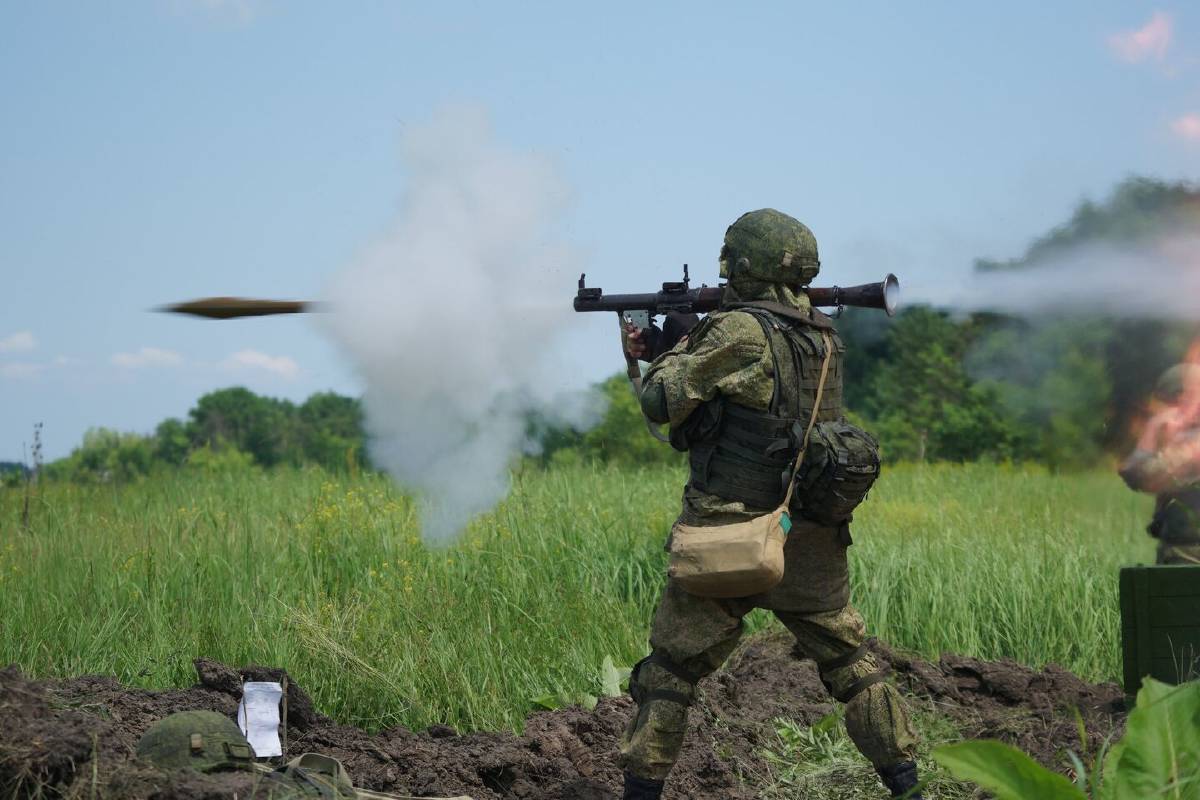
(695, 369)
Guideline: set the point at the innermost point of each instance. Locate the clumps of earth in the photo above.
(76, 737)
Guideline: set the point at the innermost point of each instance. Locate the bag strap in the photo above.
(812, 420)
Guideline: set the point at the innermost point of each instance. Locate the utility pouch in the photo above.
(743, 558)
(700, 426)
(839, 469)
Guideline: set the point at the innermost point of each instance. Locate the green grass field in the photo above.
(328, 577)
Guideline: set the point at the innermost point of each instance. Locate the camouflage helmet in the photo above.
(201, 740)
(768, 245)
(1178, 380)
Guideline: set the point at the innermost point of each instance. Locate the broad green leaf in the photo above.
(1159, 755)
(611, 678)
(1004, 771)
(827, 723)
(549, 702)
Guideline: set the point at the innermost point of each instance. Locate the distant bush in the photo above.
(220, 459)
(227, 430)
(106, 455)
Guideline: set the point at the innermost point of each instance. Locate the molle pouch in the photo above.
(735, 560)
(699, 427)
(839, 468)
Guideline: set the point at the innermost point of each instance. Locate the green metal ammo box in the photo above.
(1160, 624)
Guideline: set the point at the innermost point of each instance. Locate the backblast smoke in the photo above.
(450, 319)
(1158, 278)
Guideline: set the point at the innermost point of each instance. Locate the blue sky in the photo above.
(168, 149)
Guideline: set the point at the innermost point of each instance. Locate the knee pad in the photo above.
(645, 691)
(827, 668)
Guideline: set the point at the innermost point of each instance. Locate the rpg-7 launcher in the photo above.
(677, 297)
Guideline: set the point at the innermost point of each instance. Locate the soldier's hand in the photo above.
(635, 341)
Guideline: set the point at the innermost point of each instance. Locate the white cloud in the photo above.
(147, 357)
(19, 341)
(1187, 127)
(20, 369)
(252, 359)
(1151, 41)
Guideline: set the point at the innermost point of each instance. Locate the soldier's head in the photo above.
(201, 740)
(768, 246)
(1179, 383)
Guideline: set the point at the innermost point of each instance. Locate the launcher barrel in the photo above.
(884, 295)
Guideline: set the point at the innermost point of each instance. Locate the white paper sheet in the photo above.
(258, 717)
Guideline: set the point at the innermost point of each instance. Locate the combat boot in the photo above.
(900, 778)
(641, 788)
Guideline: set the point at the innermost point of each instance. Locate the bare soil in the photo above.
(76, 737)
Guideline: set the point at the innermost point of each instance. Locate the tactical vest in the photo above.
(746, 454)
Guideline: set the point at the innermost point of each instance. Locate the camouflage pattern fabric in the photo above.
(728, 357)
(699, 633)
(201, 740)
(770, 246)
(1172, 553)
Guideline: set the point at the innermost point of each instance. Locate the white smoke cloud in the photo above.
(451, 318)
(1155, 279)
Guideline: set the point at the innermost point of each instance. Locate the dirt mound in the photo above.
(1034, 710)
(76, 737)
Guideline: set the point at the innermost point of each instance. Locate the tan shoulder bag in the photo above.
(744, 558)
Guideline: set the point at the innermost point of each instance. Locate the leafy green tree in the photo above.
(924, 404)
(171, 442)
(260, 426)
(330, 429)
(621, 435)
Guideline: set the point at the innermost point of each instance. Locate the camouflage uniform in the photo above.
(1173, 474)
(728, 359)
(1176, 521)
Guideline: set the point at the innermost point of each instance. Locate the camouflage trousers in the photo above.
(692, 636)
(1178, 553)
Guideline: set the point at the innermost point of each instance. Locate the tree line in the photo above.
(227, 429)
(932, 385)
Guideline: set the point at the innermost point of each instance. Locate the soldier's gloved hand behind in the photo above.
(647, 344)
(637, 341)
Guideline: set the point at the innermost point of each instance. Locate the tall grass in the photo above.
(328, 577)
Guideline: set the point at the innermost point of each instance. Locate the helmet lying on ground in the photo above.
(201, 740)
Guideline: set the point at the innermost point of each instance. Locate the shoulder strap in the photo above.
(828, 345)
(814, 320)
(765, 322)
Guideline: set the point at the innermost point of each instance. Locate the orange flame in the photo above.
(1169, 428)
